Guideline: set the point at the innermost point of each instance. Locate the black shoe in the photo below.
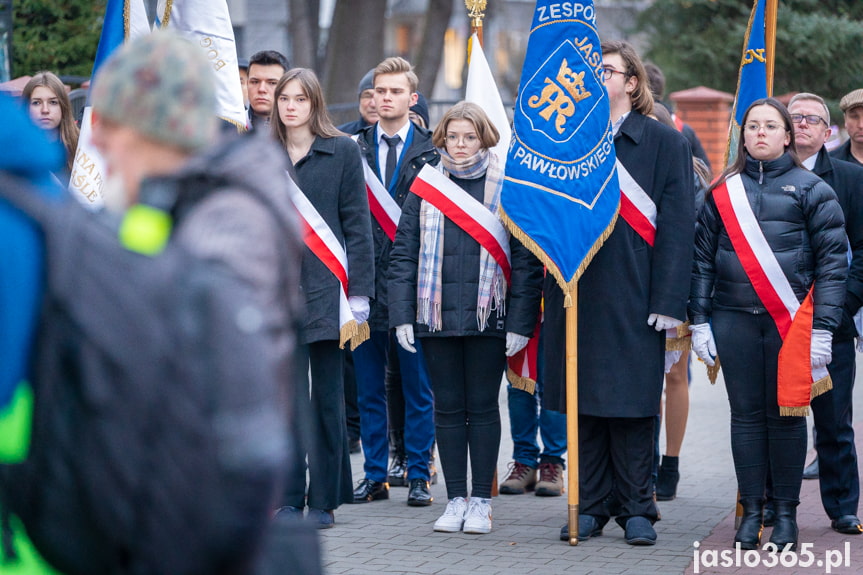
(398, 472)
(419, 495)
(368, 490)
(785, 530)
(666, 480)
(639, 531)
(811, 470)
(769, 515)
(354, 446)
(588, 526)
(749, 533)
(847, 524)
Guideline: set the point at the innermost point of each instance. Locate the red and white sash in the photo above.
(467, 213)
(797, 381)
(636, 207)
(321, 240)
(383, 207)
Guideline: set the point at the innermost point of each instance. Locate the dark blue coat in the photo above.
(620, 357)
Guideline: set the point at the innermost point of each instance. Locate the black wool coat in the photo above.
(846, 179)
(331, 177)
(620, 357)
(420, 152)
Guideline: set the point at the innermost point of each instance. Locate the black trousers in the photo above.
(838, 477)
(748, 345)
(352, 410)
(466, 374)
(616, 453)
(321, 430)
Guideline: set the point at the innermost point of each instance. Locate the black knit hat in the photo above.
(421, 108)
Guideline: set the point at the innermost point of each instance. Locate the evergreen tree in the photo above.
(699, 42)
(54, 35)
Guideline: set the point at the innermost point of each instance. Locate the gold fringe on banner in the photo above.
(347, 332)
(682, 342)
(794, 411)
(823, 385)
(520, 382)
(364, 332)
(565, 285)
(713, 372)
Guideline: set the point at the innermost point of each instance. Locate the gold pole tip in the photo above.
(573, 541)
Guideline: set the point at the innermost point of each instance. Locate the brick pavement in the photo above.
(390, 537)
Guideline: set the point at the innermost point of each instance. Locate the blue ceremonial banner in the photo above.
(560, 194)
(752, 80)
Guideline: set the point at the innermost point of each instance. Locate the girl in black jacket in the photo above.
(469, 316)
(800, 219)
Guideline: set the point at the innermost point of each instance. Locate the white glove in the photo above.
(405, 337)
(672, 357)
(821, 351)
(662, 322)
(359, 305)
(515, 343)
(703, 344)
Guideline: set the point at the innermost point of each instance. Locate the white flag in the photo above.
(208, 24)
(124, 19)
(482, 90)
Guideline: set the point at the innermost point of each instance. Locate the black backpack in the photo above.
(159, 425)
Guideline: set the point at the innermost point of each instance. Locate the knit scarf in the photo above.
(492, 285)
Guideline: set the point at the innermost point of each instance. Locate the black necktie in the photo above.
(392, 157)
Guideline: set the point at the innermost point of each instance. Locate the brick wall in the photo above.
(708, 111)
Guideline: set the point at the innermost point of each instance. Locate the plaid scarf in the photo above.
(492, 285)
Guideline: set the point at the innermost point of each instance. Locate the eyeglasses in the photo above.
(812, 120)
(468, 139)
(607, 73)
(769, 127)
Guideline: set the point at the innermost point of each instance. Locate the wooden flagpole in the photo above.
(572, 415)
(771, 10)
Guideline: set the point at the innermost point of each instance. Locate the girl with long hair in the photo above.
(328, 170)
(50, 109)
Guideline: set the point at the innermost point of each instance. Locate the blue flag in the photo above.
(752, 81)
(560, 195)
(113, 32)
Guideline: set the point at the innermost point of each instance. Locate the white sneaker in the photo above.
(478, 516)
(453, 518)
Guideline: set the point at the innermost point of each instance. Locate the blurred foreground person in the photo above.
(163, 360)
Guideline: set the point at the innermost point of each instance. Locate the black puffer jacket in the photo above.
(803, 223)
(460, 278)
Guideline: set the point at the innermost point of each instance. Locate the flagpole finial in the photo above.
(476, 12)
